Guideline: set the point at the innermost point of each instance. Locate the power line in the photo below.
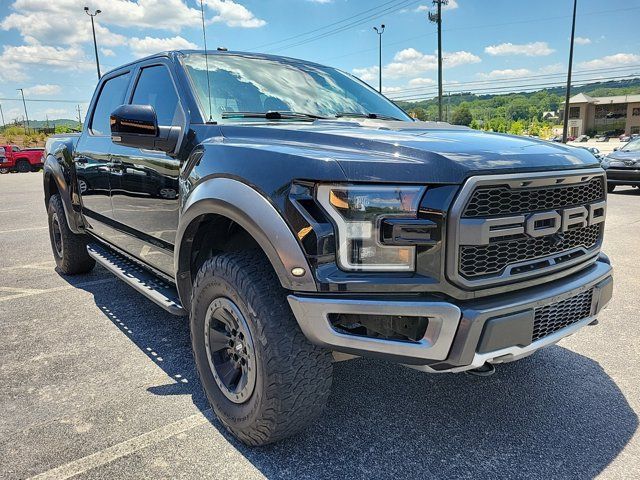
(478, 91)
(44, 100)
(325, 26)
(519, 79)
(483, 26)
(346, 27)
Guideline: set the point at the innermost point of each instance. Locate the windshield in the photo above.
(632, 146)
(242, 83)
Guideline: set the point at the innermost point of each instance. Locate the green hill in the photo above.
(499, 112)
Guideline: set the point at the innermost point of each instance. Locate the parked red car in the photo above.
(14, 158)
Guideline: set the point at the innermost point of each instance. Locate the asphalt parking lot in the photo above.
(98, 382)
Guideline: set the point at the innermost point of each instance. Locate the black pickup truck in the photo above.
(298, 218)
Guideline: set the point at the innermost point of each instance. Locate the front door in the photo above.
(144, 183)
(92, 164)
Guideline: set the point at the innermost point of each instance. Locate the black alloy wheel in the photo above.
(230, 350)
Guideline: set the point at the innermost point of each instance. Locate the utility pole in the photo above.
(379, 31)
(437, 19)
(95, 43)
(79, 116)
(565, 129)
(2, 115)
(26, 116)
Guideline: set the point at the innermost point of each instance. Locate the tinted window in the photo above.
(155, 88)
(111, 97)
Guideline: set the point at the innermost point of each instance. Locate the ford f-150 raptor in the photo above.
(297, 216)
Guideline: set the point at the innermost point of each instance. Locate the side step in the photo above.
(145, 282)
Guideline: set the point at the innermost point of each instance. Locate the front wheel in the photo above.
(69, 249)
(262, 377)
(4, 170)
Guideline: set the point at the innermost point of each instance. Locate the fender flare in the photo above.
(244, 205)
(53, 170)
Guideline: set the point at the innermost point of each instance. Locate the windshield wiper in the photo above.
(271, 115)
(372, 116)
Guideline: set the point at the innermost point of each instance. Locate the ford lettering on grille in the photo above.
(513, 227)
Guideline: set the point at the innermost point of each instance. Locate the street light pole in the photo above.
(568, 95)
(95, 43)
(379, 31)
(26, 116)
(437, 19)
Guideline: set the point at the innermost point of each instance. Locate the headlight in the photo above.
(357, 211)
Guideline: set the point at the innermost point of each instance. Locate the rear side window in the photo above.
(155, 88)
(111, 97)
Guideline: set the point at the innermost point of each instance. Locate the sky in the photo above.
(493, 46)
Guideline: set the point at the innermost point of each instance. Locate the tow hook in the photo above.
(594, 323)
(485, 370)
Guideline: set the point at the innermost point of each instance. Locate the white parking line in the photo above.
(23, 229)
(125, 448)
(29, 292)
(49, 264)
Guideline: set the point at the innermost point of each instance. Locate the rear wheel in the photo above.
(23, 166)
(69, 249)
(611, 188)
(263, 378)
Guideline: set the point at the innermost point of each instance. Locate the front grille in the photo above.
(551, 318)
(482, 252)
(492, 259)
(501, 200)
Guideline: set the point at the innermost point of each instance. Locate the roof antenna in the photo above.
(206, 60)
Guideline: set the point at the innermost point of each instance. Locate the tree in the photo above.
(419, 113)
(462, 116)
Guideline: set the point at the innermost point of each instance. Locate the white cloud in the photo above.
(411, 62)
(582, 40)
(20, 57)
(107, 52)
(391, 90)
(506, 73)
(534, 49)
(420, 82)
(39, 22)
(142, 47)
(233, 14)
(452, 5)
(617, 60)
(46, 89)
(320, 1)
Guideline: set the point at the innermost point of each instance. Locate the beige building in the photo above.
(596, 115)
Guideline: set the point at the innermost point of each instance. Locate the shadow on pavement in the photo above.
(554, 415)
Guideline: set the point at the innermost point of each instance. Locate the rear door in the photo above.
(92, 155)
(144, 183)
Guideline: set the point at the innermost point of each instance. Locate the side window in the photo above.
(155, 88)
(111, 96)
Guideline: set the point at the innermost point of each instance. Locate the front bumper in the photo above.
(623, 176)
(459, 336)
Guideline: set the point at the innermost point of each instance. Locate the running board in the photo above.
(145, 282)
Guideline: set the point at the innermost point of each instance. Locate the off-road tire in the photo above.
(73, 257)
(610, 188)
(293, 379)
(23, 166)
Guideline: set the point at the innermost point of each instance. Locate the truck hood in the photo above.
(372, 150)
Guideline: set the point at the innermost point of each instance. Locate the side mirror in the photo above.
(137, 126)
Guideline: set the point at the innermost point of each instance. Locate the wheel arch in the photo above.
(54, 183)
(233, 203)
